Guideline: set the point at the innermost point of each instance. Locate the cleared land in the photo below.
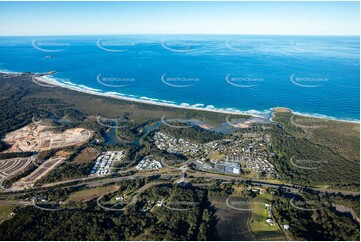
(86, 155)
(12, 167)
(33, 100)
(40, 172)
(90, 194)
(259, 227)
(5, 211)
(232, 223)
(34, 137)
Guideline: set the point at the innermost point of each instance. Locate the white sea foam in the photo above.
(322, 116)
(89, 88)
(6, 71)
(149, 99)
(115, 93)
(83, 88)
(198, 105)
(185, 104)
(166, 101)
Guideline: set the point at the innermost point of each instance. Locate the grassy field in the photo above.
(259, 227)
(90, 194)
(232, 224)
(215, 156)
(5, 211)
(86, 155)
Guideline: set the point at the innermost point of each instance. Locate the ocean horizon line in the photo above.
(175, 34)
(249, 74)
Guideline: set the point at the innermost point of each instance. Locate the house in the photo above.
(269, 220)
(286, 226)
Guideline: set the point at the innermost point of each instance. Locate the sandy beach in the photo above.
(48, 81)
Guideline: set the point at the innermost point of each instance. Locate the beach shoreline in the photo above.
(47, 80)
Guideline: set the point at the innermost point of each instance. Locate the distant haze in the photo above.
(93, 18)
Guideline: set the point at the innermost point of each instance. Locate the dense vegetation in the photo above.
(189, 215)
(93, 223)
(331, 152)
(341, 137)
(195, 134)
(314, 218)
(67, 171)
(22, 100)
(300, 161)
(191, 223)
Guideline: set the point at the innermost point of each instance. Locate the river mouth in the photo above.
(228, 127)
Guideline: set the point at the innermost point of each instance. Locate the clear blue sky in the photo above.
(77, 18)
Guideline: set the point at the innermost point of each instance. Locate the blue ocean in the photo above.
(311, 75)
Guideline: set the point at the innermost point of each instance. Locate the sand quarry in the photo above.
(37, 137)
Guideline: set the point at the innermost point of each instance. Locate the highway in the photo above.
(93, 182)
